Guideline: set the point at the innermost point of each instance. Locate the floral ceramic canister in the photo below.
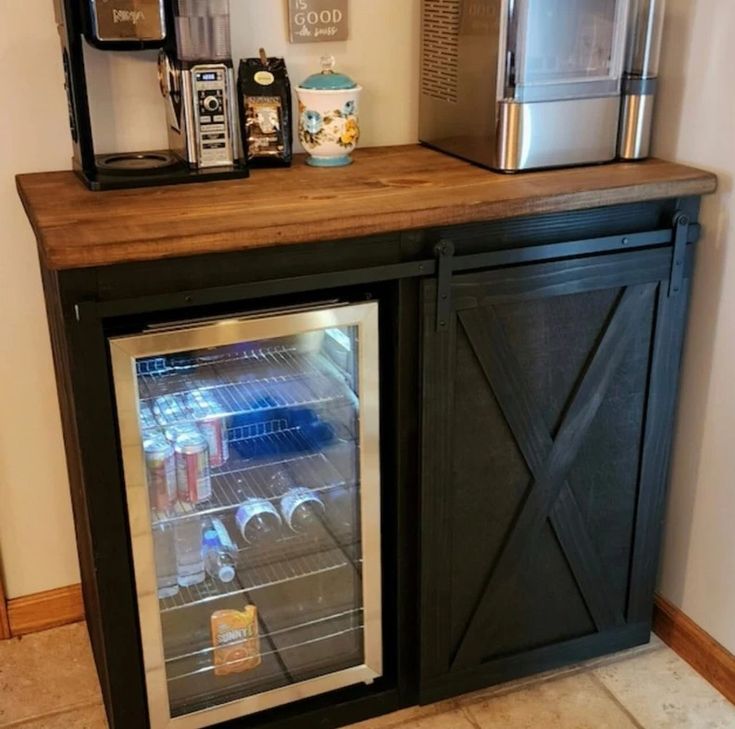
(329, 128)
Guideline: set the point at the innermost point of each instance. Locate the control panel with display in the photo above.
(214, 134)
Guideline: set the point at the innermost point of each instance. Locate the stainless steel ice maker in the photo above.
(645, 33)
(523, 84)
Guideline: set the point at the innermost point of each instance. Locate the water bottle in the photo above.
(218, 562)
(189, 552)
(164, 551)
(224, 537)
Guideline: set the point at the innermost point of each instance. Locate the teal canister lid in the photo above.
(328, 79)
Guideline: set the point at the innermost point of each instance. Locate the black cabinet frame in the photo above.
(86, 306)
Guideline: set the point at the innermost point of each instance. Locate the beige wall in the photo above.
(36, 537)
(36, 533)
(382, 54)
(696, 124)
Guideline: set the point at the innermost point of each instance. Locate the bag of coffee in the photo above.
(265, 111)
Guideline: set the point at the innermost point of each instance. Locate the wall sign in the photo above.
(314, 21)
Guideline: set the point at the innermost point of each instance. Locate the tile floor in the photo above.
(47, 681)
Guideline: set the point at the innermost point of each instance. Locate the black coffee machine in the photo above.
(201, 101)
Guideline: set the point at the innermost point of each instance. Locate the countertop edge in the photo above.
(400, 222)
(37, 232)
(54, 257)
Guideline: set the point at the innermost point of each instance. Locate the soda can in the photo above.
(148, 421)
(192, 468)
(212, 425)
(160, 468)
(215, 433)
(174, 432)
(169, 409)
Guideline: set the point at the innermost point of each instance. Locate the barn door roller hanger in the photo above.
(682, 233)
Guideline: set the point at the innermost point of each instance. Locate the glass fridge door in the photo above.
(566, 49)
(251, 457)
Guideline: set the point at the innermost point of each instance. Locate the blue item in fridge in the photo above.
(263, 403)
(319, 433)
(300, 430)
(211, 540)
(301, 417)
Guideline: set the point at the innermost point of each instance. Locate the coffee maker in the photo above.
(198, 83)
(134, 25)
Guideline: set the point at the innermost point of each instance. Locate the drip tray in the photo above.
(151, 168)
(134, 163)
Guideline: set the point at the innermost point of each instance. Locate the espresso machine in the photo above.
(207, 145)
(198, 83)
(525, 84)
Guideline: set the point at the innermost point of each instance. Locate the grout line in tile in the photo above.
(20, 723)
(469, 716)
(432, 710)
(620, 704)
(555, 674)
(392, 725)
(425, 712)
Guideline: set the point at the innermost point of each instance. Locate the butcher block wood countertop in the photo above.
(387, 189)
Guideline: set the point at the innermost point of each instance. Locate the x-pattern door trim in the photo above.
(549, 461)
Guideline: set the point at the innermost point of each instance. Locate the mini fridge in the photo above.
(251, 456)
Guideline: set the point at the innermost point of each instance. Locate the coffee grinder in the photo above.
(212, 148)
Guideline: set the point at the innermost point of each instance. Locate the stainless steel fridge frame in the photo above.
(124, 352)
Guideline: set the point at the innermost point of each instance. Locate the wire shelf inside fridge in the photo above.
(290, 566)
(205, 359)
(269, 383)
(319, 627)
(241, 479)
(278, 642)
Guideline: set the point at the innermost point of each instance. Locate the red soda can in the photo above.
(160, 468)
(211, 423)
(192, 468)
(215, 433)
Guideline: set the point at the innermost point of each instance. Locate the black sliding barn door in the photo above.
(548, 400)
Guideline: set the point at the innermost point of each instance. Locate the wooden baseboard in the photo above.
(697, 648)
(45, 610)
